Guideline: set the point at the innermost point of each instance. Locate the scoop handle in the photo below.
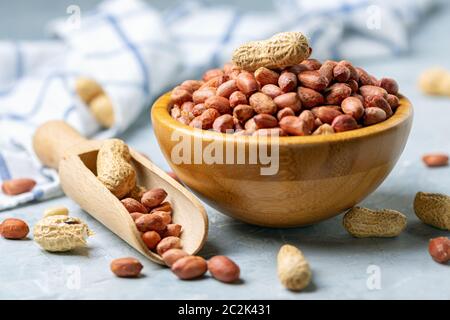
(52, 139)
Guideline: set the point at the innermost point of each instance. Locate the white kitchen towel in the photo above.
(136, 52)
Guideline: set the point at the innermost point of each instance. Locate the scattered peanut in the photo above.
(363, 223)
(17, 186)
(435, 160)
(189, 267)
(433, 209)
(293, 269)
(223, 269)
(439, 249)
(56, 211)
(126, 267)
(14, 229)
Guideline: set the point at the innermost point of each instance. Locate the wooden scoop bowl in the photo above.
(60, 146)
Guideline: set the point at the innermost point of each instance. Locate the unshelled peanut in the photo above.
(102, 109)
(363, 223)
(114, 168)
(282, 50)
(293, 268)
(433, 209)
(435, 81)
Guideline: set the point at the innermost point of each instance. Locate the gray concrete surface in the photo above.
(342, 266)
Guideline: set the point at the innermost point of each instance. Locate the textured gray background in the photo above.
(339, 262)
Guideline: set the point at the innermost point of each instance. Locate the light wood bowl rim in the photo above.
(160, 113)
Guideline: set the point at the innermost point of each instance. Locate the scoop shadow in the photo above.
(80, 251)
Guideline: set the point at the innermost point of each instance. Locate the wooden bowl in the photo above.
(318, 177)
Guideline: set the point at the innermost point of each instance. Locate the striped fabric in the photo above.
(136, 52)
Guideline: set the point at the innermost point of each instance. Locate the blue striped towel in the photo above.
(136, 52)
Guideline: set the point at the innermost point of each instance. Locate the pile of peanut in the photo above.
(309, 98)
(153, 218)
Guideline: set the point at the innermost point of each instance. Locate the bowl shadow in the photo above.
(328, 236)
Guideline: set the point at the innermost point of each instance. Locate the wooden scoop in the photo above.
(60, 146)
